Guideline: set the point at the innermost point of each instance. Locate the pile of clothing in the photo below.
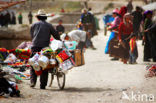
(12, 61)
(7, 87)
(12, 69)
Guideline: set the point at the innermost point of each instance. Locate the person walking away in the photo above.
(129, 6)
(137, 18)
(146, 37)
(125, 30)
(133, 50)
(30, 17)
(41, 32)
(152, 32)
(20, 18)
(60, 28)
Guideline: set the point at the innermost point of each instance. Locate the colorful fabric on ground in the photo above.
(21, 53)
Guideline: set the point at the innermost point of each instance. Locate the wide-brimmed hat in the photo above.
(41, 13)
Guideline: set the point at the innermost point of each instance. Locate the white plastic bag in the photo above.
(43, 61)
(32, 60)
(56, 44)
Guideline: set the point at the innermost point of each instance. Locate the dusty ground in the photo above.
(100, 80)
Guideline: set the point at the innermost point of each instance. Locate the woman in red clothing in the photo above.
(125, 30)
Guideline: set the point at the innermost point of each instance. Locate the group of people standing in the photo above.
(8, 17)
(125, 31)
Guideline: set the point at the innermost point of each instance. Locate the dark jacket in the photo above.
(41, 33)
(60, 28)
(87, 18)
(2, 73)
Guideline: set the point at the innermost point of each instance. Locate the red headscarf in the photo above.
(122, 12)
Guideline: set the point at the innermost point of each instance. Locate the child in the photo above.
(133, 50)
(60, 28)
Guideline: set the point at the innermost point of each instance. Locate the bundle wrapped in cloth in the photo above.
(43, 61)
(32, 60)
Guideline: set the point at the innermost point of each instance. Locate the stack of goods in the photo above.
(54, 56)
(152, 70)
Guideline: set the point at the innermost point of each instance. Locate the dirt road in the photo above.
(100, 80)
